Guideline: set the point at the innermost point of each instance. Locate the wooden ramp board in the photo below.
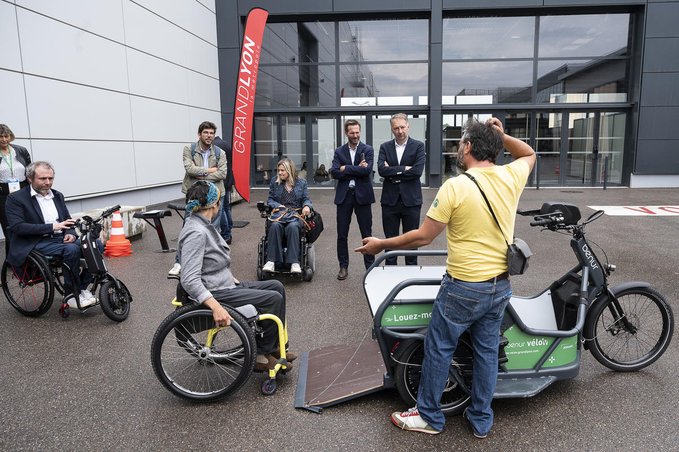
(335, 374)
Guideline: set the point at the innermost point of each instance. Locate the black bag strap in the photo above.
(488, 204)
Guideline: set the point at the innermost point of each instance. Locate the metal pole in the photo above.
(537, 173)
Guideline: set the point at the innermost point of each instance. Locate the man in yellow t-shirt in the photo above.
(476, 288)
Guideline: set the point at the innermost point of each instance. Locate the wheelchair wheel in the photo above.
(197, 361)
(29, 288)
(311, 257)
(115, 302)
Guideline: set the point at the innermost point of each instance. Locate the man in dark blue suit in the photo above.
(401, 162)
(352, 167)
(38, 219)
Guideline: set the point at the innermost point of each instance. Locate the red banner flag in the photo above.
(245, 99)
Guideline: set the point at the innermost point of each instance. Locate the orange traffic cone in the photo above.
(117, 244)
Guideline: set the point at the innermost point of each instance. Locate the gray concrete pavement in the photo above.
(87, 384)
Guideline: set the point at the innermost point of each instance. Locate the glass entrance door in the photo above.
(594, 148)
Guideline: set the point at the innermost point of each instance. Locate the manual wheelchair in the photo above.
(307, 259)
(30, 288)
(197, 360)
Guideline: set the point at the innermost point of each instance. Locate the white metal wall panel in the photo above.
(161, 121)
(54, 49)
(101, 166)
(156, 78)
(188, 15)
(203, 91)
(11, 57)
(13, 105)
(67, 111)
(103, 17)
(158, 163)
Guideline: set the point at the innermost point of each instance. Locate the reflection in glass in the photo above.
(488, 37)
(516, 125)
(264, 149)
(501, 81)
(571, 81)
(323, 147)
(293, 142)
(579, 161)
(384, 40)
(611, 146)
(583, 35)
(367, 84)
(308, 42)
(295, 86)
(548, 147)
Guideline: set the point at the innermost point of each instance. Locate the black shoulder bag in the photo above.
(518, 253)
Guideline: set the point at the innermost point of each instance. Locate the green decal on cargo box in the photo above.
(523, 350)
(565, 353)
(407, 315)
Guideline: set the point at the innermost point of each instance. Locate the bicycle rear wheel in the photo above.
(29, 288)
(631, 333)
(408, 371)
(197, 361)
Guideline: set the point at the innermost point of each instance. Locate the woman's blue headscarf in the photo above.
(211, 199)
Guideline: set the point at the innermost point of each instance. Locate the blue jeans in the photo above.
(462, 306)
(277, 232)
(225, 220)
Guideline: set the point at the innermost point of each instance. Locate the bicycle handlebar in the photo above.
(551, 220)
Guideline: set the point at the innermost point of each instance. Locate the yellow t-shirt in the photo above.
(476, 248)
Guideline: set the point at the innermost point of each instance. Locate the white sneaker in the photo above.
(86, 298)
(411, 420)
(295, 268)
(175, 270)
(269, 267)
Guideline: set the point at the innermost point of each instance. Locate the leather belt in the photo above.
(500, 277)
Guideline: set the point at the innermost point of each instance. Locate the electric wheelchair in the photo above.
(307, 259)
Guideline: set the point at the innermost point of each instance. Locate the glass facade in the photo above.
(560, 83)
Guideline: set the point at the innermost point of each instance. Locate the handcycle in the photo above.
(30, 288)
(196, 360)
(626, 327)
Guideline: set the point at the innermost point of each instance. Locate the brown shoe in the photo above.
(342, 275)
(289, 356)
(265, 367)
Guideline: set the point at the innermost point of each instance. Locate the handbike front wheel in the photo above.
(115, 302)
(631, 331)
(198, 361)
(29, 288)
(409, 370)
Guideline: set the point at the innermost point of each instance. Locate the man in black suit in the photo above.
(352, 167)
(401, 162)
(38, 219)
(226, 222)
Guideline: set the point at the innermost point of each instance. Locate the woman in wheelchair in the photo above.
(206, 274)
(287, 193)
